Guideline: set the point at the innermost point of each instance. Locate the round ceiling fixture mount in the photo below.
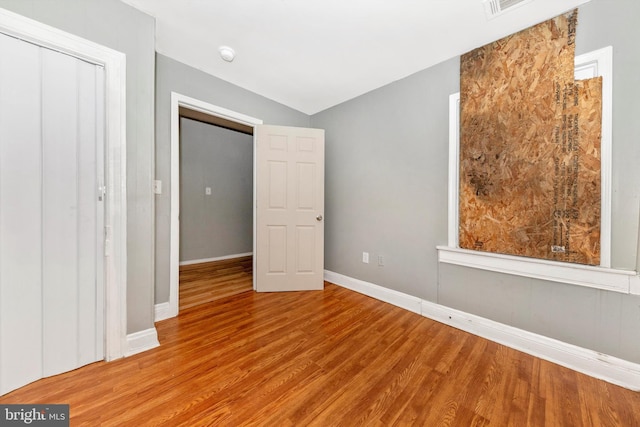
(227, 53)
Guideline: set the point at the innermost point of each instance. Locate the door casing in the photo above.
(178, 100)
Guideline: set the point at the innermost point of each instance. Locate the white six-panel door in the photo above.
(51, 213)
(290, 208)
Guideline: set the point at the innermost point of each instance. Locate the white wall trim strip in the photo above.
(381, 293)
(563, 272)
(608, 368)
(220, 258)
(634, 285)
(162, 311)
(142, 341)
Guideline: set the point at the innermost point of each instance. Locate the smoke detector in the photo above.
(227, 53)
(495, 8)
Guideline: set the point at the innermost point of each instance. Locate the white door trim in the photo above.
(177, 101)
(114, 63)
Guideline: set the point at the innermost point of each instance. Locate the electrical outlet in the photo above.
(207, 191)
(380, 261)
(365, 257)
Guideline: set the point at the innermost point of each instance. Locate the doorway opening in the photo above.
(222, 117)
(216, 205)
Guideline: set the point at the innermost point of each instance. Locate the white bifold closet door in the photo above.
(51, 212)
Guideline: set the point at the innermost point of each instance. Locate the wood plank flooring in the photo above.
(210, 281)
(327, 358)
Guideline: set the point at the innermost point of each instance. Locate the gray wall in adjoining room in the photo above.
(386, 193)
(221, 223)
(118, 26)
(174, 76)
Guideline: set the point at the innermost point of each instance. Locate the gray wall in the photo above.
(174, 76)
(123, 28)
(386, 181)
(386, 193)
(221, 223)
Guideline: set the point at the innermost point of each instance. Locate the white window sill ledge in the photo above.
(623, 281)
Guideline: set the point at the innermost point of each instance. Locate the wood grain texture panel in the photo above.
(530, 148)
(210, 281)
(325, 358)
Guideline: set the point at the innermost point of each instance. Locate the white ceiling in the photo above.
(313, 54)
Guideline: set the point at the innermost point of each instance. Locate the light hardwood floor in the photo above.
(210, 281)
(327, 358)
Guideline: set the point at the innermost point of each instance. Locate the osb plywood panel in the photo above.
(530, 148)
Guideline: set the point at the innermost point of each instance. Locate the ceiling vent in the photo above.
(495, 8)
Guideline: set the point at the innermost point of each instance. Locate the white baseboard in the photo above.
(141, 341)
(608, 368)
(634, 286)
(220, 258)
(396, 298)
(162, 311)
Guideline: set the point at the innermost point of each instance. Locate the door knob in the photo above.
(319, 218)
